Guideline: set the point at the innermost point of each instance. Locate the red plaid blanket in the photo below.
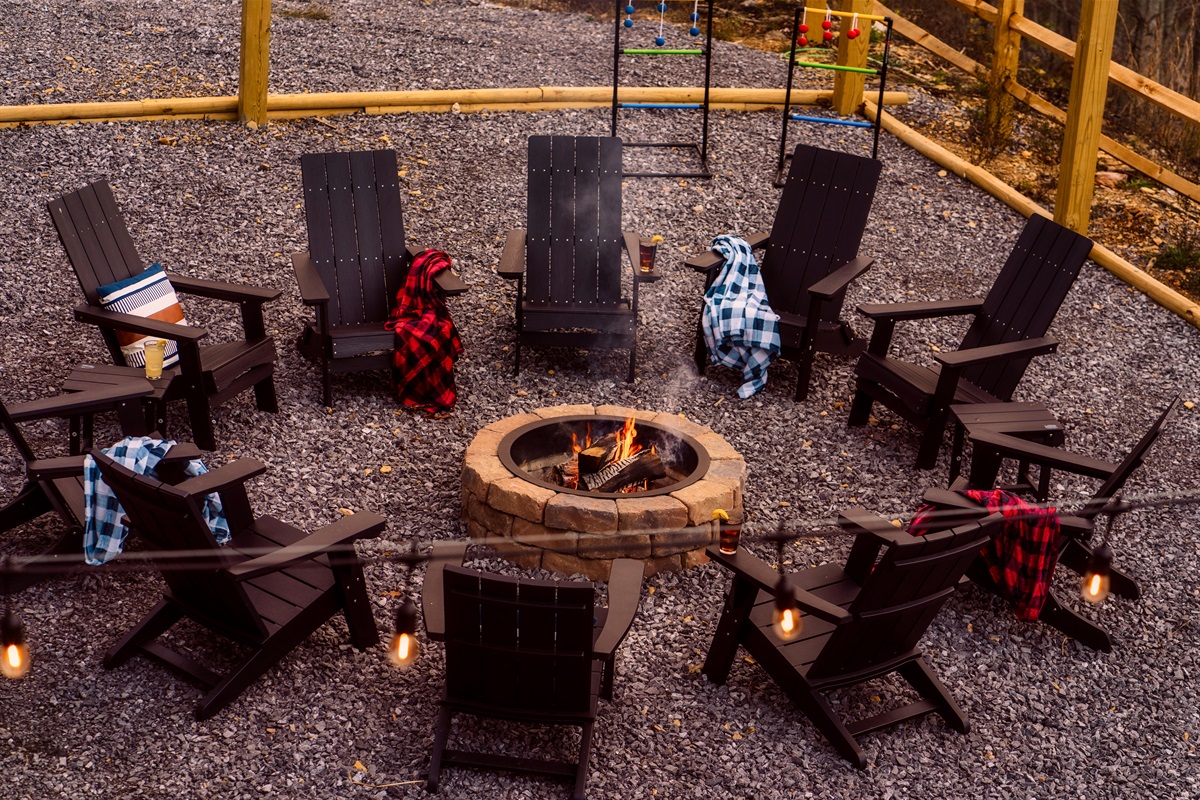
(427, 343)
(1021, 556)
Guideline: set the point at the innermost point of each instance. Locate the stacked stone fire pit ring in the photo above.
(535, 524)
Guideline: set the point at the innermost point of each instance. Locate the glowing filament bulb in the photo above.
(1096, 578)
(14, 653)
(786, 617)
(403, 648)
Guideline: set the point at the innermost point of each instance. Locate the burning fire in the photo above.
(626, 446)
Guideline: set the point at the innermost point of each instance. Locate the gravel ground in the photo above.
(1049, 718)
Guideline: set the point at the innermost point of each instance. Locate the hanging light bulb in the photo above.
(403, 648)
(786, 617)
(14, 652)
(1096, 576)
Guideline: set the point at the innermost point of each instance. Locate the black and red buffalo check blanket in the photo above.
(1021, 555)
(427, 343)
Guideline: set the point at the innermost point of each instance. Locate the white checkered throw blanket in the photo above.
(740, 329)
(104, 533)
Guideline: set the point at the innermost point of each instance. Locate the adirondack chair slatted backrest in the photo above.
(94, 235)
(819, 224)
(1024, 299)
(899, 600)
(1127, 466)
(524, 645)
(355, 231)
(169, 519)
(573, 240)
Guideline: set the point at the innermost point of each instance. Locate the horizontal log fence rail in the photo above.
(537, 98)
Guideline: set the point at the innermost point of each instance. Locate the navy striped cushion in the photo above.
(148, 295)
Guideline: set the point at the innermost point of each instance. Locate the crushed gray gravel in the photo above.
(1049, 718)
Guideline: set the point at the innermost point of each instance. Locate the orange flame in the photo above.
(626, 441)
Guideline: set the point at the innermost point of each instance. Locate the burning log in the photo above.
(597, 455)
(644, 466)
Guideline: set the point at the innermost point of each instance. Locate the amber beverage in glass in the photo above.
(154, 349)
(731, 531)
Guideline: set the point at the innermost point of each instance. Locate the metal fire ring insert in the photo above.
(547, 439)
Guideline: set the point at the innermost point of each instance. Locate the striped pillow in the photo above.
(147, 295)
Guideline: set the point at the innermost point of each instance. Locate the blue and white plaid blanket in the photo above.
(740, 329)
(104, 534)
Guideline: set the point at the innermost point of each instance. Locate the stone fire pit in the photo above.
(566, 531)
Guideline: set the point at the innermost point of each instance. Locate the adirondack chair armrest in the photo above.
(840, 278)
(704, 262)
(338, 537)
(947, 498)
(147, 327)
(448, 281)
(47, 469)
(1075, 527)
(433, 606)
(998, 352)
(859, 520)
(312, 289)
(750, 567)
(633, 249)
(624, 595)
(710, 260)
(512, 258)
(219, 290)
(234, 473)
(1055, 458)
(922, 309)
(90, 402)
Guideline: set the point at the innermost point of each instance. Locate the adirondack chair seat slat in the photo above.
(915, 384)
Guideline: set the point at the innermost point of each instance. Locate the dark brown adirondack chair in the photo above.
(356, 262)
(1074, 549)
(568, 265)
(811, 256)
(267, 590)
(858, 622)
(531, 651)
(56, 484)
(1008, 330)
(101, 251)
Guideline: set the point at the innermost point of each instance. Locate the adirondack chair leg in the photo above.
(326, 385)
(264, 396)
(607, 674)
(29, 504)
(266, 656)
(632, 362)
(700, 355)
(585, 754)
(921, 678)
(441, 731)
(157, 622)
(860, 408)
(730, 630)
(356, 606)
(826, 720)
(931, 439)
(517, 359)
(200, 416)
(1084, 631)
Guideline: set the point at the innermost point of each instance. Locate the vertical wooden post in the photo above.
(255, 62)
(1085, 114)
(1006, 51)
(848, 86)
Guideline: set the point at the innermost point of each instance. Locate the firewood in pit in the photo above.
(643, 466)
(597, 455)
(566, 474)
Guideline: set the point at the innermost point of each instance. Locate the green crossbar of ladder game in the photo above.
(840, 67)
(651, 51)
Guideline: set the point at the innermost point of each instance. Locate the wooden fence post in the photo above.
(1006, 51)
(255, 62)
(848, 86)
(1085, 114)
